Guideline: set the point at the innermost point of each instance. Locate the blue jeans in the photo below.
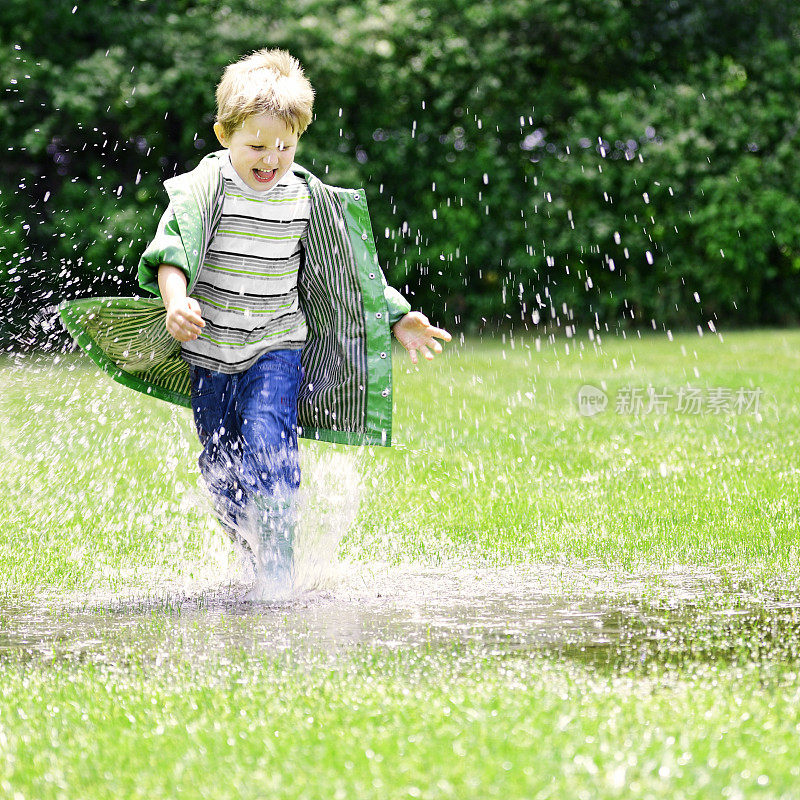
(247, 424)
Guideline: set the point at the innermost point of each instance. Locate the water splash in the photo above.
(328, 503)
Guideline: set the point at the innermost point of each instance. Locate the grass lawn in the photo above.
(495, 468)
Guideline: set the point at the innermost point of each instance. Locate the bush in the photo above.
(526, 162)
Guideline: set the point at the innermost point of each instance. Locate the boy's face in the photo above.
(262, 150)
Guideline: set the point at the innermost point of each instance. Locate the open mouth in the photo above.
(264, 176)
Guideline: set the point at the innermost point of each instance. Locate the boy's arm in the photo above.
(398, 305)
(184, 321)
(166, 248)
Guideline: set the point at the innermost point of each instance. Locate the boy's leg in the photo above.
(266, 405)
(214, 410)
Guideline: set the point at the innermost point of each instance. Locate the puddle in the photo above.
(495, 612)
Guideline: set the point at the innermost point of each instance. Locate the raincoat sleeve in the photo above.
(166, 248)
(398, 305)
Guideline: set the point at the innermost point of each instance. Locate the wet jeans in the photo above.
(247, 423)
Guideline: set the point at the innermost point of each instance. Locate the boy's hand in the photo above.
(415, 333)
(184, 320)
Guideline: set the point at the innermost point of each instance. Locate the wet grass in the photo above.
(494, 462)
(96, 481)
(500, 463)
(409, 725)
(687, 687)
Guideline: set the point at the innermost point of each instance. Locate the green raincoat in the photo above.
(346, 393)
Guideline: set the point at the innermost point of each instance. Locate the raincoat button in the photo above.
(383, 355)
(364, 236)
(372, 275)
(385, 393)
(356, 196)
(379, 315)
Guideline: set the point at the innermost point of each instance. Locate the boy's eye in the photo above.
(280, 147)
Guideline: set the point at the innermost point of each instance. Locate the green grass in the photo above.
(501, 465)
(493, 462)
(96, 479)
(495, 466)
(427, 725)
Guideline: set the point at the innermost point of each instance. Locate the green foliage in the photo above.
(511, 151)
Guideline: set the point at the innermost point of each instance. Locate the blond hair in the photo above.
(265, 82)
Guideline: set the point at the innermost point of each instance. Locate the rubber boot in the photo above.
(275, 532)
(233, 525)
(247, 558)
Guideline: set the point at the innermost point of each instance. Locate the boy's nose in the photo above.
(271, 159)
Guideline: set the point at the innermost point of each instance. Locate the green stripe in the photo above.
(235, 308)
(261, 236)
(267, 199)
(255, 341)
(233, 271)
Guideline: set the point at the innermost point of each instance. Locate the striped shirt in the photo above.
(247, 284)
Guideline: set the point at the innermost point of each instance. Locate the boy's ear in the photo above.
(220, 134)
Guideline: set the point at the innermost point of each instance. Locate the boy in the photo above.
(271, 286)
